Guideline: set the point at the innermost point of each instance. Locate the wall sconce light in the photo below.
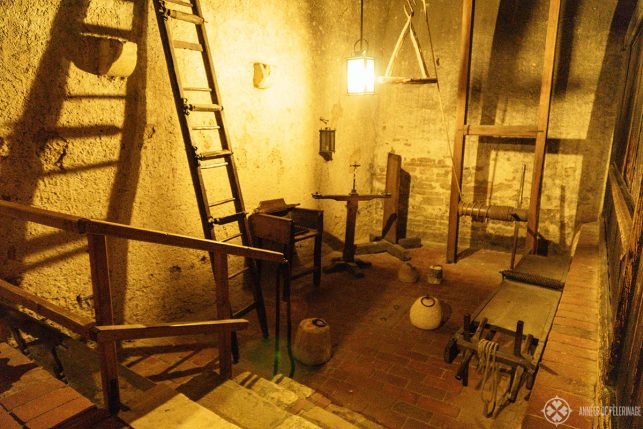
(360, 68)
(326, 141)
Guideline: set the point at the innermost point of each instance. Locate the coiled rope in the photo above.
(489, 367)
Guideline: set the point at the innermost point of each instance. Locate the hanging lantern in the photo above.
(360, 68)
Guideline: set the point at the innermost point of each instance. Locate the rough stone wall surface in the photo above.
(110, 148)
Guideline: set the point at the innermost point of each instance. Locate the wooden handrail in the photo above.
(73, 322)
(91, 226)
(138, 331)
(44, 217)
(104, 330)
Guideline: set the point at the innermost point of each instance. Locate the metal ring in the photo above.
(320, 323)
(428, 298)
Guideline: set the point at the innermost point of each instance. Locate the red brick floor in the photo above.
(381, 366)
(32, 398)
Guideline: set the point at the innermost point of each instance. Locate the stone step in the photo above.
(304, 392)
(248, 410)
(292, 402)
(163, 407)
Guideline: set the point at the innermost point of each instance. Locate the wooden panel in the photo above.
(468, 7)
(104, 316)
(73, 322)
(543, 124)
(128, 332)
(274, 228)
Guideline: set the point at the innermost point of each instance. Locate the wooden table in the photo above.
(348, 262)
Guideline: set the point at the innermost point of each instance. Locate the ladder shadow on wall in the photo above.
(40, 146)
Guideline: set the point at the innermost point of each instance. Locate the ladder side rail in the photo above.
(215, 95)
(544, 108)
(177, 89)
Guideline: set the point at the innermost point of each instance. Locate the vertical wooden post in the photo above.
(104, 316)
(543, 124)
(349, 235)
(223, 312)
(460, 120)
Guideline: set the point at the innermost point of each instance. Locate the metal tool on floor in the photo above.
(201, 118)
(523, 306)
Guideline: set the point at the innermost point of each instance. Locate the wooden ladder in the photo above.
(537, 131)
(202, 125)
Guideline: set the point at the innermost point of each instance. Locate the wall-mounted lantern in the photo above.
(326, 141)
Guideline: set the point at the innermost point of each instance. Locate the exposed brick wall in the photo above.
(569, 367)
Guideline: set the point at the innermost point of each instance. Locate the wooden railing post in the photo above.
(223, 312)
(104, 316)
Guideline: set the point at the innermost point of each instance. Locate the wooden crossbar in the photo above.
(138, 331)
(18, 296)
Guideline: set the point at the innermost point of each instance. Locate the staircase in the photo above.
(248, 401)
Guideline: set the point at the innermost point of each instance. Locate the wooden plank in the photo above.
(391, 205)
(151, 236)
(224, 311)
(99, 263)
(543, 124)
(520, 131)
(61, 316)
(44, 217)
(468, 7)
(137, 331)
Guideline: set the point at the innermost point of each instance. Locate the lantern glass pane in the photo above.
(361, 75)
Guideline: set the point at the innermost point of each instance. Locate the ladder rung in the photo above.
(232, 237)
(244, 311)
(233, 275)
(206, 156)
(220, 202)
(524, 131)
(206, 127)
(228, 219)
(181, 3)
(180, 44)
(203, 107)
(194, 88)
(217, 165)
(182, 16)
